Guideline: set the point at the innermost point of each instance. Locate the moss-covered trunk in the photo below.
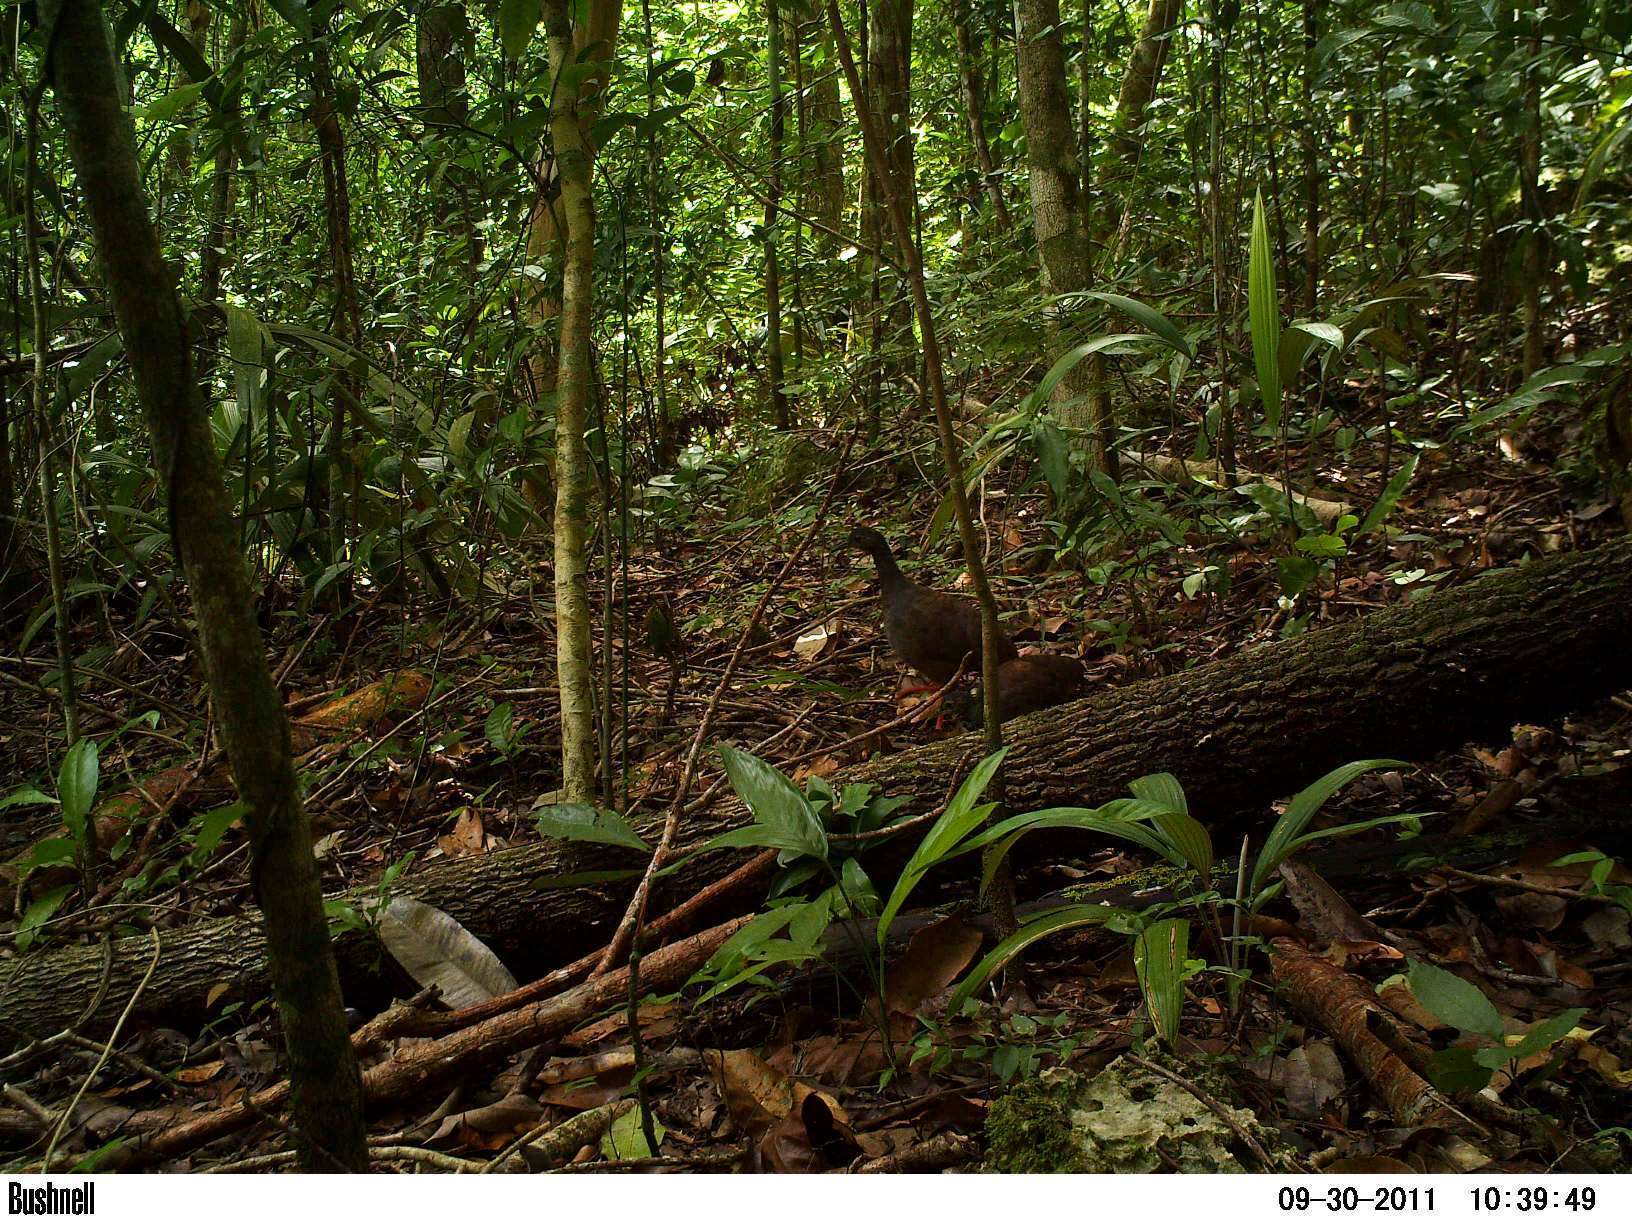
(254, 730)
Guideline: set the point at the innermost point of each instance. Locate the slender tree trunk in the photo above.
(668, 447)
(1215, 215)
(1127, 142)
(825, 126)
(8, 482)
(218, 234)
(889, 93)
(1535, 239)
(974, 105)
(345, 473)
(254, 730)
(1311, 160)
(774, 372)
(899, 191)
(575, 165)
(444, 100)
(1087, 74)
(541, 304)
(1056, 204)
(44, 434)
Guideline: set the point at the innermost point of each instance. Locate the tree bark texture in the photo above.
(974, 105)
(575, 165)
(294, 946)
(1056, 202)
(1529, 642)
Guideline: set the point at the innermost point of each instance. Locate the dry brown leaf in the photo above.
(468, 837)
(934, 958)
(656, 1020)
(1311, 1077)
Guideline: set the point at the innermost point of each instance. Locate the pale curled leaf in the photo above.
(435, 950)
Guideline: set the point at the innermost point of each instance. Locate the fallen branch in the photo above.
(464, 1053)
(1339, 1003)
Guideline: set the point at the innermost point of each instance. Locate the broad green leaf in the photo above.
(1161, 788)
(583, 822)
(38, 914)
(1457, 1069)
(76, 785)
(1069, 360)
(49, 851)
(1264, 312)
(1458, 1003)
(89, 366)
(500, 727)
(1605, 152)
(1549, 385)
(625, 1139)
(784, 815)
(26, 796)
(517, 21)
(1159, 955)
(1305, 804)
(297, 13)
(172, 103)
(1190, 838)
(1118, 819)
(246, 345)
(948, 834)
(1148, 316)
(1054, 454)
(1541, 1037)
(212, 827)
(1049, 922)
(1390, 495)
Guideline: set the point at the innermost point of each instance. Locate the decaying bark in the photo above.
(1338, 1003)
(1528, 642)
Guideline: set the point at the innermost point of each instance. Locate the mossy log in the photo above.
(1462, 663)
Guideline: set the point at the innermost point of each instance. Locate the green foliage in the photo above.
(582, 822)
(1463, 1006)
(1265, 312)
(1161, 963)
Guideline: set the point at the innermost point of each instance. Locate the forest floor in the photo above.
(806, 1083)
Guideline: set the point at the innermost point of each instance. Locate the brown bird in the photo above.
(1031, 682)
(930, 631)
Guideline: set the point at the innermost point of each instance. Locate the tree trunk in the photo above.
(1127, 142)
(667, 442)
(540, 303)
(1535, 238)
(1529, 642)
(213, 262)
(254, 730)
(1056, 204)
(444, 101)
(824, 127)
(974, 105)
(1311, 161)
(575, 165)
(345, 471)
(774, 373)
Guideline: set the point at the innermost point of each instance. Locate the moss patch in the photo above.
(1113, 1122)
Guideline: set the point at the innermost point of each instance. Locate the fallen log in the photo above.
(1462, 663)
